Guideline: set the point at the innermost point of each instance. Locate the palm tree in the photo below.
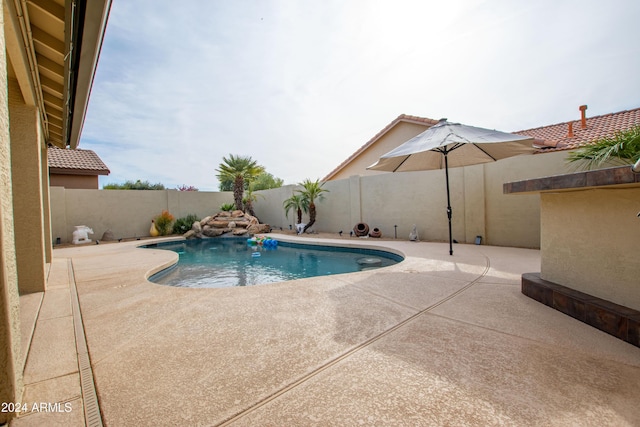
(623, 148)
(248, 200)
(298, 203)
(312, 190)
(239, 169)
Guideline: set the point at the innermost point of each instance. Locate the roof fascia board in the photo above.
(96, 14)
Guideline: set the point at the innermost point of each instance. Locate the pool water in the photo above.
(226, 262)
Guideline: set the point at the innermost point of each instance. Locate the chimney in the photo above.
(570, 133)
(583, 108)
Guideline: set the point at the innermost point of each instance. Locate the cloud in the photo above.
(299, 86)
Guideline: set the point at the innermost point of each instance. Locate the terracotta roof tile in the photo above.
(75, 162)
(556, 137)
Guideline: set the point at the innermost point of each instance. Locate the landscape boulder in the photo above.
(236, 223)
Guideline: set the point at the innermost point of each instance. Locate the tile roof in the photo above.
(75, 162)
(556, 137)
(400, 118)
(548, 138)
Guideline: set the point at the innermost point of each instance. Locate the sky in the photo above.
(300, 85)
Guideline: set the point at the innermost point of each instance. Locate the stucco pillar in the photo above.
(10, 366)
(26, 170)
(355, 199)
(474, 203)
(46, 205)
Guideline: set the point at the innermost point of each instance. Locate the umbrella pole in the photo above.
(446, 171)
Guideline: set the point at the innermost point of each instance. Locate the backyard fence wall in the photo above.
(127, 213)
(479, 206)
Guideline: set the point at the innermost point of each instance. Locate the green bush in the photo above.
(184, 224)
(227, 207)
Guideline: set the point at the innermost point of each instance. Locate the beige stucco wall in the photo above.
(515, 220)
(479, 206)
(85, 182)
(127, 213)
(590, 237)
(26, 165)
(10, 347)
(400, 133)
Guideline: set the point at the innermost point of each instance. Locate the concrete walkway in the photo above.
(434, 340)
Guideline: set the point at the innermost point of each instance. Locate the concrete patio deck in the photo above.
(434, 340)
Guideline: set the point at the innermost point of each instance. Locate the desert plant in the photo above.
(185, 187)
(241, 170)
(184, 224)
(621, 149)
(227, 207)
(297, 203)
(312, 190)
(163, 222)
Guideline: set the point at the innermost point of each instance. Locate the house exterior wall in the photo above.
(400, 133)
(26, 165)
(599, 243)
(86, 182)
(11, 382)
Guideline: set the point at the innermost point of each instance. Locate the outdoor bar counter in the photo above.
(589, 247)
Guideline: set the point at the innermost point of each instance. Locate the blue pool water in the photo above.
(225, 262)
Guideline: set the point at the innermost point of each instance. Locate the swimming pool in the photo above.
(226, 262)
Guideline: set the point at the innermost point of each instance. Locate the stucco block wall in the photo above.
(127, 213)
(383, 200)
(480, 208)
(588, 238)
(515, 221)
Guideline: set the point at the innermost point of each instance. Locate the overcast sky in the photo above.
(299, 85)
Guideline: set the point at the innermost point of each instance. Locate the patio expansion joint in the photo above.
(91, 406)
(340, 357)
(32, 331)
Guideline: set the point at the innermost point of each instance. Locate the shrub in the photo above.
(130, 185)
(163, 222)
(184, 224)
(227, 207)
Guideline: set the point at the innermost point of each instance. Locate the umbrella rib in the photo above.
(444, 150)
(401, 163)
(485, 152)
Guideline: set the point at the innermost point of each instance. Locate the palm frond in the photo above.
(621, 149)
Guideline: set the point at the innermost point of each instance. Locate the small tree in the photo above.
(312, 190)
(297, 203)
(265, 181)
(622, 149)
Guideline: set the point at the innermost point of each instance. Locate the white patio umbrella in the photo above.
(446, 145)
